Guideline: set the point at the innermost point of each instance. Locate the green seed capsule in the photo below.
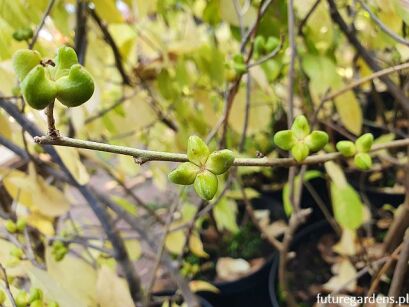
(36, 294)
(316, 140)
(220, 161)
(76, 88)
(300, 151)
(65, 59)
(37, 303)
(206, 185)
(346, 148)
(21, 224)
(271, 44)
(21, 299)
(285, 139)
(24, 60)
(300, 127)
(60, 253)
(17, 252)
(363, 161)
(364, 142)
(184, 174)
(23, 34)
(38, 90)
(11, 227)
(259, 45)
(197, 150)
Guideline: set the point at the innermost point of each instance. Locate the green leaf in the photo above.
(347, 206)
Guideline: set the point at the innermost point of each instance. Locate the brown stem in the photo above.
(52, 131)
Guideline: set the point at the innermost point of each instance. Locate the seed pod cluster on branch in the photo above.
(41, 82)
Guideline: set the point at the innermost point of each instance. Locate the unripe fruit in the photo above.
(60, 254)
(238, 64)
(259, 45)
(316, 140)
(23, 34)
(21, 224)
(364, 142)
(37, 303)
(21, 299)
(220, 161)
(206, 185)
(76, 88)
(2, 297)
(17, 252)
(346, 148)
(285, 139)
(24, 60)
(197, 150)
(38, 90)
(184, 174)
(53, 304)
(11, 227)
(36, 294)
(300, 127)
(271, 44)
(65, 59)
(300, 151)
(363, 161)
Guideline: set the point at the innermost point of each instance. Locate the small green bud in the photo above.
(363, 161)
(300, 151)
(346, 148)
(238, 58)
(184, 174)
(197, 150)
(60, 253)
(17, 252)
(364, 142)
(21, 224)
(21, 299)
(35, 294)
(271, 44)
(37, 303)
(206, 185)
(300, 127)
(285, 139)
(316, 140)
(2, 297)
(53, 304)
(11, 227)
(220, 161)
(23, 34)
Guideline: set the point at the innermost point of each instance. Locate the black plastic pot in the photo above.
(307, 234)
(251, 290)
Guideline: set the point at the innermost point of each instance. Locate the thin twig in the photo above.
(400, 270)
(142, 156)
(7, 286)
(52, 131)
(367, 57)
(307, 16)
(381, 25)
(40, 26)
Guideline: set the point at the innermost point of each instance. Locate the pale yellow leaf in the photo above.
(5, 129)
(201, 285)
(196, 246)
(134, 249)
(74, 275)
(41, 222)
(53, 289)
(350, 112)
(112, 290)
(175, 241)
(71, 159)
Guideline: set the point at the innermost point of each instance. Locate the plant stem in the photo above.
(142, 156)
